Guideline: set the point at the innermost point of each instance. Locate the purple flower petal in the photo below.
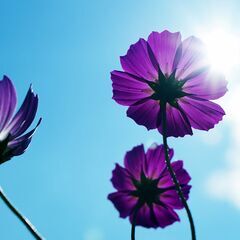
(26, 136)
(207, 85)
(164, 46)
(25, 115)
(146, 113)
(121, 179)
(164, 216)
(165, 181)
(192, 59)
(181, 174)
(13, 143)
(155, 161)
(19, 145)
(138, 62)
(128, 90)
(145, 217)
(123, 202)
(171, 198)
(177, 123)
(8, 100)
(134, 161)
(202, 115)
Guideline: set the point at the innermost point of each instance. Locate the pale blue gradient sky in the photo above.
(67, 49)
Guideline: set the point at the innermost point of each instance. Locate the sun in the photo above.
(222, 48)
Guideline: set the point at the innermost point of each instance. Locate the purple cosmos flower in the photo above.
(144, 183)
(176, 72)
(13, 141)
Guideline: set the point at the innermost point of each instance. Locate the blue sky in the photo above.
(67, 49)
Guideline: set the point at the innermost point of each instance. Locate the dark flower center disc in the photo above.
(167, 89)
(146, 190)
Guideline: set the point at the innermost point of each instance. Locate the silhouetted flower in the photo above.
(13, 141)
(176, 72)
(144, 185)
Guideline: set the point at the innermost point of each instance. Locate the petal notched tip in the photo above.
(164, 32)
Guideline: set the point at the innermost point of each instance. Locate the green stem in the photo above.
(133, 231)
(23, 219)
(135, 211)
(134, 222)
(171, 171)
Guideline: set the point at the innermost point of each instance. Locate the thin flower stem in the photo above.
(23, 219)
(135, 211)
(134, 221)
(133, 231)
(171, 171)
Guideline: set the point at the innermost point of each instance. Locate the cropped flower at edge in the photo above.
(13, 141)
(144, 183)
(165, 68)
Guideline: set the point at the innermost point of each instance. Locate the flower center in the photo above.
(167, 89)
(146, 190)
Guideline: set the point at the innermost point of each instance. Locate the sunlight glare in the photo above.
(223, 49)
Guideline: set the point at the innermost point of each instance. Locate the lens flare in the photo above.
(223, 49)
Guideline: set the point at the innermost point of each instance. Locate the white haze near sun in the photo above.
(223, 51)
